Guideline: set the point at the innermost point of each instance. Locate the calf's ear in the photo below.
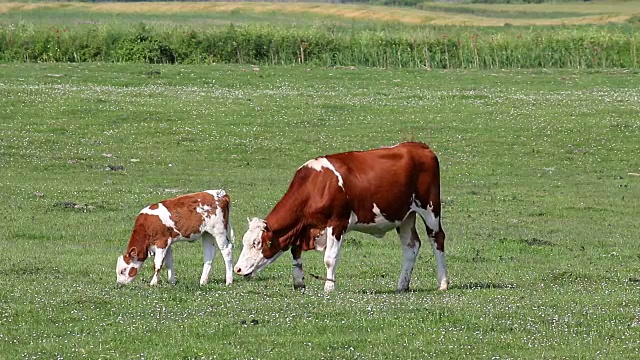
(133, 254)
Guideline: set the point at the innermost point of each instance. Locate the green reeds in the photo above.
(433, 47)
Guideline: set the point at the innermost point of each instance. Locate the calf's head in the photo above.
(259, 248)
(127, 266)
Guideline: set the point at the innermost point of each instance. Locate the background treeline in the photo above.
(324, 45)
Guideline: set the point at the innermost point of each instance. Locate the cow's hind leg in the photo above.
(298, 274)
(226, 249)
(209, 252)
(437, 241)
(432, 222)
(410, 242)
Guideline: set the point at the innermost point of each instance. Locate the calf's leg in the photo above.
(209, 251)
(158, 260)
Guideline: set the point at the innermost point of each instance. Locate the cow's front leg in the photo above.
(298, 274)
(331, 253)
(168, 262)
(158, 260)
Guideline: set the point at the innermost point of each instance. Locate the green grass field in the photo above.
(540, 188)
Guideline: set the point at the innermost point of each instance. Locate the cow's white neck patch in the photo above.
(322, 162)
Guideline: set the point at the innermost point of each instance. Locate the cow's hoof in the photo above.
(299, 287)
(444, 285)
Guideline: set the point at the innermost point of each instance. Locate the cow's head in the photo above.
(259, 249)
(128, 266)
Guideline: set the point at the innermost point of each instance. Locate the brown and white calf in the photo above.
(188, 217)
(371, 191)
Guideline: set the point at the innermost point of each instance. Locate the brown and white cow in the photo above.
(188, 217)
(371, 191)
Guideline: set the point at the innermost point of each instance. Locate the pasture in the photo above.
(217, 13)
(539, 181)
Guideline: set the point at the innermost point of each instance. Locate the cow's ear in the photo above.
(265, 239)
(133, 254)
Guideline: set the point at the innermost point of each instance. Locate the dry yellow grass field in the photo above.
(582, 13)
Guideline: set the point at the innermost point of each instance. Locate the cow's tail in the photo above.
(224, 200)
(230, 234)
(433, 219)
(429, 191)
(431, 175)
